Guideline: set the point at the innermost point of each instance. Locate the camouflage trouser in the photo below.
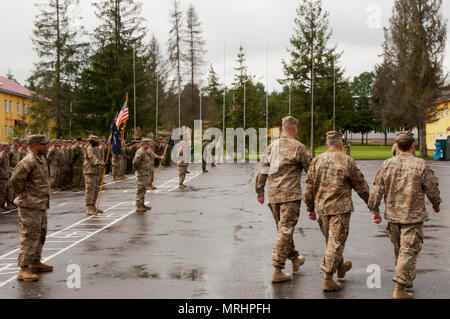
(33, 230)
(54, 176)
(69, 175)
(286, 217)
(142, 181)
(62, 171)
(9, 193)
(407, 240)
(151, 177)
(115, 163)
(182, 171)
(3, 186)
(335, 229)
(78, 177)
(92, 188)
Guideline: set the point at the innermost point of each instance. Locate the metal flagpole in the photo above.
(334, 94)
(267, 88)
(157, 101)
(200, 104)
(134, 85)
(245, 101)
(312, 92)
(224, 88)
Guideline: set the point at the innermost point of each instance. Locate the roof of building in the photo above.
(11, 87)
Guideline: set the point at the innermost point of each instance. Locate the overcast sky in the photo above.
(357, 31)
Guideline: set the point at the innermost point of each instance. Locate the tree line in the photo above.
(86, 75)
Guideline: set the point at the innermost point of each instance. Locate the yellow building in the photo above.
(440, 127)
(14, 103)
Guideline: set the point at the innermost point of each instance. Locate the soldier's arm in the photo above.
(358, 182)
(137, 161)
(263, 173)
(305, 160)
(19, 177)
(377, 193)
(309, 194)
(430, 184)
(95, 160)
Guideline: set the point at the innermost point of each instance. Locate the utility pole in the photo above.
(157, 105)
(334, 94)
(312, 90)
(134, 88)
(245, 101)
(224, 89)
(70, 122)
(290, 98)
(200, 104)
(267, 88)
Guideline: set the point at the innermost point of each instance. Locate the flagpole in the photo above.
(134, 85)
(160, 164)
(104, 172)
(157, 101)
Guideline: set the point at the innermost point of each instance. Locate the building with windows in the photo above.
(14, 103)
(439, 128)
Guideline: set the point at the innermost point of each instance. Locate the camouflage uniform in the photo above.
(30, 181)
(4, 175)
(141, 166)
(329, 183)
(77, 160)
(182, 163)
(115, 163)
(282, 166)
(53, 162)
(403, 182)
(91, 167)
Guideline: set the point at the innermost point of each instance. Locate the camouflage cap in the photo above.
(146, 141)
(93, 138)
(289, 120)
(37, 139)
(334, 135)
(405, 135)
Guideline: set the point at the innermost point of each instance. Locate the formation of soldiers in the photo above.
(402, 182)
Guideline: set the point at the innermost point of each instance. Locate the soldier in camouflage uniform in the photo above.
(403, 182)
(4, 174)
(329, 184)
(77, 160)
(116, 166)
(31, 184)
(152, 156)
(23, 149)
(91, 168)
(282, 166)
(14, 159)
(142, 166)
(53, 163)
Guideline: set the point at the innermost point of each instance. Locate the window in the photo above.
(24, 109)
(10, 107)
(6, 130)
(18, 108)
(6, 106)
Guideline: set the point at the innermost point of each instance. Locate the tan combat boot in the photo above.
(182, 186)
(400, 293)
(40, 267)
(99, 211)
(147, 207)
(279, 276)
(10, 206)
(91, 211)
(297, 263)
(141, 209)
(26, 275)
(329, 284)
(343, 269)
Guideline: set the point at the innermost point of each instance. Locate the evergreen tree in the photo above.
(55, 40)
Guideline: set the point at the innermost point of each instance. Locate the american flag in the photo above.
(123, 115)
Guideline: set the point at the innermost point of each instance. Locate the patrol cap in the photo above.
(334, 135)
(404, 135)
(37, 139)
(146, 141)
(289, 120)
(93, 138)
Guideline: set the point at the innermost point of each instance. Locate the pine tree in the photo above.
(194, 57)
(55, 40)
(414, 49)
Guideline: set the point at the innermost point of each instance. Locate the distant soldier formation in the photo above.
(402, 182)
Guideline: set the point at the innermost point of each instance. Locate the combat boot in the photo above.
(343, 269)
(40, 267)
(400, 293)
(297, 263)
(141, 209)
(91, 211)
(25, 274)
(10, 206)
(329, 284)
(182, 186)
(279, 276)
(99, 211)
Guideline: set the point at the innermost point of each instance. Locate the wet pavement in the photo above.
(212, 240)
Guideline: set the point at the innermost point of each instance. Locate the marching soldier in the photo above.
(329, 184)
(282, 167)
(31, 184)
(4, 174)
(403, 182)
(142, 166)
(152, 155)
(91, 168)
